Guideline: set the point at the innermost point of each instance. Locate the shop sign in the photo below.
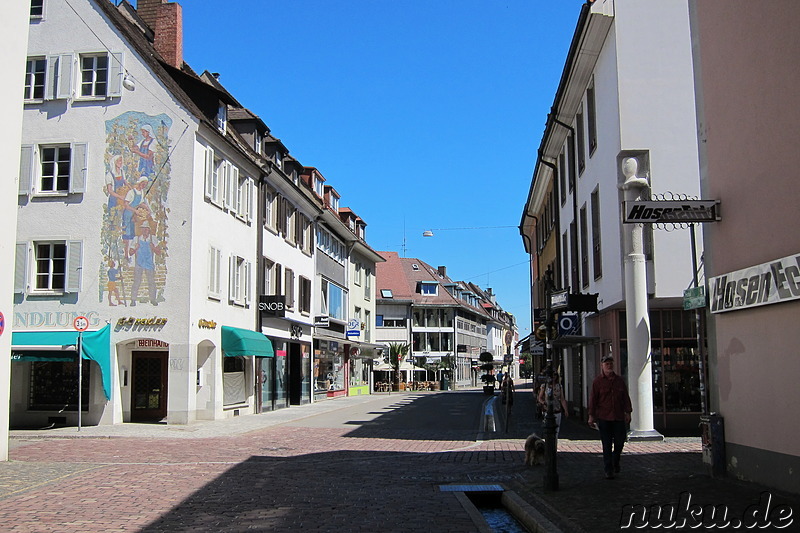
(206, 324)
(151, 343)
(353, 328)
(58, 319)
(694, 298)
(674, 211)
(296, 331)
(322, 321)
(768, 283)
(559, 300)
(272, 305)
(133, 323)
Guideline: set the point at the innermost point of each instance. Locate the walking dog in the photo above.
(534, 450)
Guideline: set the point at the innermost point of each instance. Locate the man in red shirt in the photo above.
(610, 408)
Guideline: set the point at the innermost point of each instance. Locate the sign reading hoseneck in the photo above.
(764, 284)
(272, 305)
(674, 211)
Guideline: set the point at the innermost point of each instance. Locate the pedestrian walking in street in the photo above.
(610, 409)
(553, 393)
(507, 390)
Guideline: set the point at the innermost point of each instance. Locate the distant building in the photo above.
(446, 322)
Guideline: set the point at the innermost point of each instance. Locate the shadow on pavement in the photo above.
(454, 415)
(333, 491)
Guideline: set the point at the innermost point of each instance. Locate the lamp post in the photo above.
(550, 446)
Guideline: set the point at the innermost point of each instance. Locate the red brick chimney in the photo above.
(166, 21)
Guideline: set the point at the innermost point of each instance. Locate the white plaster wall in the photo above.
(13, 38)
(657, 113)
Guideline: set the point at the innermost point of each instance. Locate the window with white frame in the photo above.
(52, 169)
(367, 284)
(428, 288)
(244, 198)
(94, 75)
(37, 9)
(226, 173)
(258, 141)
(48, 267)
(368, 326)
(222, 117)
(278, 159)
(272, 278)
(357, 274)
(330, 245)
(214, 273)
(239, 292)
(332, 300)
(211, 176)
(319, 187)
(334, 202)
(35, 75)
(289, 288)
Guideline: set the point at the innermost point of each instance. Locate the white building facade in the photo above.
(136, 211)
(616, 100)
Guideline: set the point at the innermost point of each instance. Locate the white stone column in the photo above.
(640, 374)
(14, 42)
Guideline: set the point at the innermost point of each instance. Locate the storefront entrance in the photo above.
(149, 386)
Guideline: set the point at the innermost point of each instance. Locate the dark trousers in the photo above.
(612, 435)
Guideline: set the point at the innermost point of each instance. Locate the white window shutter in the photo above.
(25, 169)
(248, 286)
(225, 184)
(21, 268)
(50, 77)
(233, 184)
(211, 272)
(115, 73)
(248, 202)
(231, 278)
(209, 172)
(63, 78)
(74, 265)
(77, 168)
(235, 202)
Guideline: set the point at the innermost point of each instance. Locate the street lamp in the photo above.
(551, 445)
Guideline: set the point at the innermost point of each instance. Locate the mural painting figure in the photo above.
(145, 252)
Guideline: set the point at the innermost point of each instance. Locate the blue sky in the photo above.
(422, 114)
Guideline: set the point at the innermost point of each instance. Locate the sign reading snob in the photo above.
(274, 306)
(768, 283)
(675, 211)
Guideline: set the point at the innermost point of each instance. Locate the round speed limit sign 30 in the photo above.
(81, 323)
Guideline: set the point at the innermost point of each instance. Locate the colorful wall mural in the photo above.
(135, 234)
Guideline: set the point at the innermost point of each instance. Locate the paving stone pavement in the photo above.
(281, 472)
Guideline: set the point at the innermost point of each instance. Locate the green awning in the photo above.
(238, 341)
(50, 346)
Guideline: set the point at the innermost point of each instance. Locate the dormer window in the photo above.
(279, 160)
(222, 118)
(428, 288)
(334, 203)
(257, 142)
(318, 187)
